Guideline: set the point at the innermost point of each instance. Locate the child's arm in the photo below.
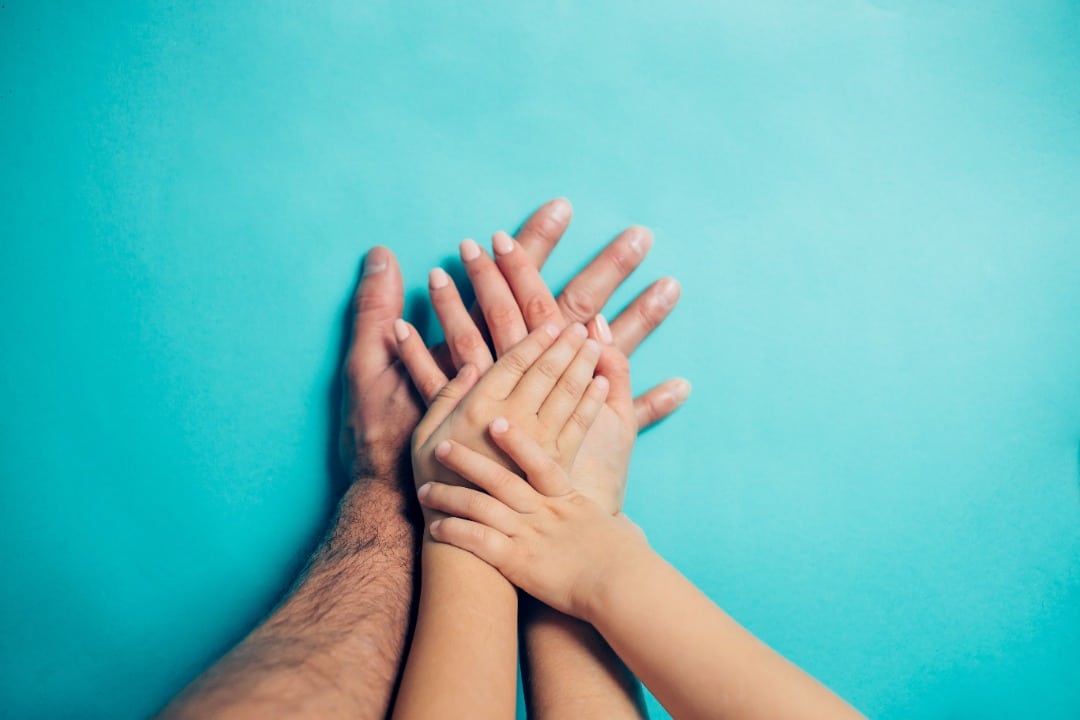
(563, 548)
(462, 662)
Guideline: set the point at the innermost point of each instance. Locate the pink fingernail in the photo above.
(438, 279)
(501, 243)
(559, 209)
(423, 490)
(551, 329)
(579, 330)
(401, 330)
(603, 330)
(376, 261)
(435, 526)
(500, 425)
(469, 250)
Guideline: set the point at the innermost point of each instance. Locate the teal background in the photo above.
(874, 210)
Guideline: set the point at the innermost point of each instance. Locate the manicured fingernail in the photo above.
(423, 490)
(500, 425)
(640, 240)
(579, 330)
(401, 330)
(469, 250)
(442, 449)
(435, 526)
(667, 292)
(438, 278)
(603, 330)
(501, 243)
(376, 261)
(551, 329)
(680, 390)
(559, 209)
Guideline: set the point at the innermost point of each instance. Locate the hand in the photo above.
(544, 536)
(544, 383)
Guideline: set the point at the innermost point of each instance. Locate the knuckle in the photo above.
(540, 308)
(571, 387)
(549, 369)
(503, 316)
(620, 258)
(649, 315)
(367, 300)
(467, 342)
(515, 362)
(579, 304)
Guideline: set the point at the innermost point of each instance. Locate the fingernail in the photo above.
(438, 278)
(423, 490)
(560, 209)
(579, 330)
(469, 250)
(592, 346)
(376, 261)
(667, 292)
(401, 330)
(501, 243)
(442, 449)
(640, 240)
(435, 526)
(551, 329)
(603, 330)
(500, 425)
(601, 383)
(680, 390)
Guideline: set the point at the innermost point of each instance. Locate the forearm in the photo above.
(334, 646)
(696, 659)
(463, 658)
(570, 671)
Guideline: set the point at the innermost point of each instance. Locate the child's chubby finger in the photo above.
(538, 381)
(426, 375)
(488, 475)
(545, 475)
(463, 337)
(531, 292)
(460, 501)
(583, 416)
(484, 542)
(500, 381)
(571, 387)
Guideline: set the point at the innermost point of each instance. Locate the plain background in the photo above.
(873, 207)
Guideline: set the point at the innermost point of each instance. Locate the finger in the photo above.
(539, 380)
(470, 504)
(418, 361)
(654, 405)
(586, 294)
(501, 313)
(501, 379)
(446, 400)
(645, 314)
(582, 418)
(616, 368)
(488, 544)
(531, 293)
(544, 473)
(570, 388)
(544, 228)
(488, 475)
(378, 301)
(464, 340)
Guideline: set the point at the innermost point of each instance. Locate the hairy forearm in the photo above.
(570, 671)
(463, 659)
(334, 646)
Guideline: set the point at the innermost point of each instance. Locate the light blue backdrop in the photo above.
(874, 209)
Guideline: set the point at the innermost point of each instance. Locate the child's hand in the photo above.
(558, 545)
(544, 384)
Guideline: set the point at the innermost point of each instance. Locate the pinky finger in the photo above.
(488, 544)
(655, 404)
(545, 475)
(426, 374)
(579, 422)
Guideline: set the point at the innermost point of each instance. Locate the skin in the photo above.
(545, 384)
(566, 549)
(360, 583)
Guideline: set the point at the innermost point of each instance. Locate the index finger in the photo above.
(544, 228)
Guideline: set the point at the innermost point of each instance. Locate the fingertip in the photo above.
(376, 260)
(423, 490)
(438, 279)
(499, 425)
(401, 330)
(602, 384)
(603, 330)
(578, 329)
(667, 292)
(640, 238)
(442, 449)
(435, 526)
(551, 329)
(469, 250)
(501, 243)
(560, 209)
(680, 390)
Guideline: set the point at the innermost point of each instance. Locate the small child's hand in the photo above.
(558, 545)
(544, 384)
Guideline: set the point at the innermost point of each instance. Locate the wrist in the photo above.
(628, 555)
